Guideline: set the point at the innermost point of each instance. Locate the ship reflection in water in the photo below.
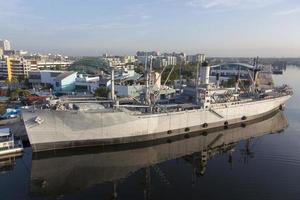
(64, 173)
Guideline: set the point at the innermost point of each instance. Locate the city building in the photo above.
(163, 61)
(128, 59)
(114, 60)
(198, 58)
(65, 82)
(180, 58)
(171, 60)
(60, 81)
(119, 60)
(47, 65)
(149, 53)
(87, 84)
(13, 67)
(141, 60)
(10, 53)
(126, 74)
(5, 45)
(21, 53)
(1, 53)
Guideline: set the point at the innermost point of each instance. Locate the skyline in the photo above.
(267, 28)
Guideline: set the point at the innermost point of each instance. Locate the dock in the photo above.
(16, 126)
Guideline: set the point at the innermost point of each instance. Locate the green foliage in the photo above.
(14, 80)
(21, 78)
(16, 93)
(139, 69)
(102, 92)
(187, 72)
(89, 65)
(24, 93)
(229, 83)
(3, 108)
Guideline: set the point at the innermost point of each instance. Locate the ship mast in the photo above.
(255, 73)
(148, 77)
(113, 97)
(197, 84)
(148, 70)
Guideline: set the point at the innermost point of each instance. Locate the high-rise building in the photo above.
(198, 58)
(164, 61)
(5, 45)
(1, 53)
(180, 57)
(14, 67)
(171, 60)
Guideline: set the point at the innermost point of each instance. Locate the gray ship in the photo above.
(72, 171)
(69, 124)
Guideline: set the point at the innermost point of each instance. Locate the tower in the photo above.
(5, 45)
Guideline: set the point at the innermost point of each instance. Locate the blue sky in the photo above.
(92, 27)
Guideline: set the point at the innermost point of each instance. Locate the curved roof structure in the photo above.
(235, 65)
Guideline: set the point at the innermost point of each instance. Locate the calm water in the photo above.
(240, 163)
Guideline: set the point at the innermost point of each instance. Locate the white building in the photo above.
(65, 82)
(47, 65)
(1, 53)
(86, 84)
(164, 61)
(171, 60)
(58, 80)
(5, 45)
(114, 60)
(128, 59)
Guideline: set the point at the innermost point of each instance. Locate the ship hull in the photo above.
(70, 129)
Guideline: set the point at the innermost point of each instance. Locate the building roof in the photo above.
(64, 75)
(236, 64)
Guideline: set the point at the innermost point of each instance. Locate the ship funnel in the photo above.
(204, 73)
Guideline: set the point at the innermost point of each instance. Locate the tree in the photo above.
(89, 65)
(15, 94)
(229, 83)
(57, 67)
(24, 93)
(102, 92)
